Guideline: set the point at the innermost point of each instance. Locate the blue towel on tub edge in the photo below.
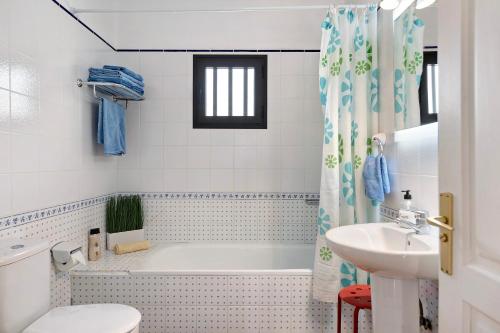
(376, 178)
(111, 127)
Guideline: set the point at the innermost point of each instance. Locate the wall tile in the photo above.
(245, 158)
(292, 122)
(198, 157)
(222, 157)
(199, 180)
(176, 157)
(4, 110)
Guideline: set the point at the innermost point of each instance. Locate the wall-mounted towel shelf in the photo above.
(117, 91)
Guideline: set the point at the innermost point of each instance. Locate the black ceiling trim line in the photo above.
(81, 22)
(216, 50)
(177, 50)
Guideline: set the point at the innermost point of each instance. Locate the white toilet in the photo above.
(25, 297)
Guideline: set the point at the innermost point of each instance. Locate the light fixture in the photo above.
(424, 3)
(389, 4)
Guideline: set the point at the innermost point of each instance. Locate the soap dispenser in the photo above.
(406, 200)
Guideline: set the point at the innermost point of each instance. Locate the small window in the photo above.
(428, 91)
(229, 91)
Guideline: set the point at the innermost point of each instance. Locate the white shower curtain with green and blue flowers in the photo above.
(348, 85)
(408, 61)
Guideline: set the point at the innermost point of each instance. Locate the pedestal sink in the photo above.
(396, 259)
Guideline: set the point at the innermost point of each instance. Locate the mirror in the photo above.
(416, 71)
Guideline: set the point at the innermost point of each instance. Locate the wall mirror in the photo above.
(416, 69)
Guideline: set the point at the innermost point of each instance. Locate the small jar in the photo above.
(95, 244)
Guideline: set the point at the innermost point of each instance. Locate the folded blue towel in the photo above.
(108, 75)
(111, 127)
(125, 70)
(376, 178)
(114, 73)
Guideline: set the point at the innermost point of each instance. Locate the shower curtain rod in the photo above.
(221, 10)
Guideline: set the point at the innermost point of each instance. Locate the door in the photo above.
(469, 158)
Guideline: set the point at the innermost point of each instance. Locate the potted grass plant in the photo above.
(124, 220)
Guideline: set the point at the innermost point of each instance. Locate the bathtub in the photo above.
(227, 258)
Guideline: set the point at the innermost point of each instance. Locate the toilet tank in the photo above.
(24, 283)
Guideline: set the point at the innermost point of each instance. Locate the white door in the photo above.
(469, 158)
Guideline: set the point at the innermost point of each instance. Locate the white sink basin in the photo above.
(397, 258)
(387, 250)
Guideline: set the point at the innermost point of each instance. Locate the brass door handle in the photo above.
(445, 225)
(440, 222)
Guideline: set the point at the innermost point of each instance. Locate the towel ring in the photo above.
(379, 139)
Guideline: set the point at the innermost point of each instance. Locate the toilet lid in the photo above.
(109, 318)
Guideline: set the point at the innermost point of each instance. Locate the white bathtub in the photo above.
(226, 258)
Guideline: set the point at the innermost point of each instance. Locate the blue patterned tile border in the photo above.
(40, 214)
(222, 195)
(388, 212)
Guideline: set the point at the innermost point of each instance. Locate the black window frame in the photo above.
(259, 120)
(430, 58)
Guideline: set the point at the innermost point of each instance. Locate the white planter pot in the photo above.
(123, 237)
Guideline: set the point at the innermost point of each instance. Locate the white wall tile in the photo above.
(245, 180)
(268, 180)
(151, 111)
(5, 194)
(176, 157)
(49, 130)
(245, 158)
(246, 137)
(25, 150)
(178, 110)
(292, 63)
(199, 180)
(152, 157)
(412, 158)
(294, 126)
(199, 137)
(4, 109)
(5, 154)
(175, 180)
(175, 134)
(221, 180)
(177, 87)
(198, 157)
(222, 137)
(222, 157)
(25, 192)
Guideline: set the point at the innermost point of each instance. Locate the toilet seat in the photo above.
(109, 318)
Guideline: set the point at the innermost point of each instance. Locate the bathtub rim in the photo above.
(235, 272)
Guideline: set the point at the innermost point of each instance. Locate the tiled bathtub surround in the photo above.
(217, 303)
(230, 217)
(226, 303)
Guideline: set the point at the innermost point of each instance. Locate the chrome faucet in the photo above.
(420, 227)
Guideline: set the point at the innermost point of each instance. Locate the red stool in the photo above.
(359, 296)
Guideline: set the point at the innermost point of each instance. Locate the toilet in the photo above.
(25, 301)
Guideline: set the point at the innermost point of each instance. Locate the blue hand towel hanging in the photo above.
(376, 178)
(111, 127)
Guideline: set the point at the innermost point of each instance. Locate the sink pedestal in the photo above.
(395, 307)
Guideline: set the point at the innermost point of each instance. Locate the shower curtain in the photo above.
(408, 60)
(348, 85)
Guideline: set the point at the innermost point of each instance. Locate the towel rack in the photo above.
(117, 91)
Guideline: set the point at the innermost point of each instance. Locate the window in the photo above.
(229, 91)
(429, 89)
